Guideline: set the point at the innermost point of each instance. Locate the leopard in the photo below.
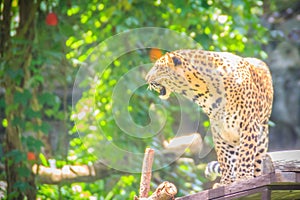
(236, 93)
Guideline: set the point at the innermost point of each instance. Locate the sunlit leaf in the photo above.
(43, 160)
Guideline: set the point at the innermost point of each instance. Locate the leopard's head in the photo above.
(166, 75)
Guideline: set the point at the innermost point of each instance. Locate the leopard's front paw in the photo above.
(217, 185)
(243, 178)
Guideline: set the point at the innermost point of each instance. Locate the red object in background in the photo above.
(51, 19)
(30, 156)
(155, 54)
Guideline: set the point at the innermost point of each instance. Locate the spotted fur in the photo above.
(236, 93)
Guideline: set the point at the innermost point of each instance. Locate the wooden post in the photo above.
(146, 173)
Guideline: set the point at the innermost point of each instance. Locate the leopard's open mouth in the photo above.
(162, 90)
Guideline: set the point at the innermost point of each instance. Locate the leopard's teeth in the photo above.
(150, 87)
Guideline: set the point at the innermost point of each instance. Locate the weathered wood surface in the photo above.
(281, 183)
(286, 160)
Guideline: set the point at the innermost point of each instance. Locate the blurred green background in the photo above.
(43, 45)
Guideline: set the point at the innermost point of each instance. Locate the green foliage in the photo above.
(217, 25)
(43, 160)
(58, 52)
(120, 188)
(32, 143)
(24, 74)
(16, 156)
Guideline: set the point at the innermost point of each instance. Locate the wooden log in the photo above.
(165, 191)
(72, 173)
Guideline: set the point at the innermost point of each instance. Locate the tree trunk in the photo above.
(17, 72)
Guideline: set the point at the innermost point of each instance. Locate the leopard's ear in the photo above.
(169, 60)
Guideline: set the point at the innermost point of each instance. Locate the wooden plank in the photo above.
(285, 155)
(241, 186)
(298, 177)
(201, 195)
(255, 193)
(283, 177)
(291, 186)
(263, 187)
(286, 160)
(266, 194)
(252, 193)
(281, 181)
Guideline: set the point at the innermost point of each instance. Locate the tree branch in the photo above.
(5, 20)
(146, 173)
(72, 173)
(164, 191)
